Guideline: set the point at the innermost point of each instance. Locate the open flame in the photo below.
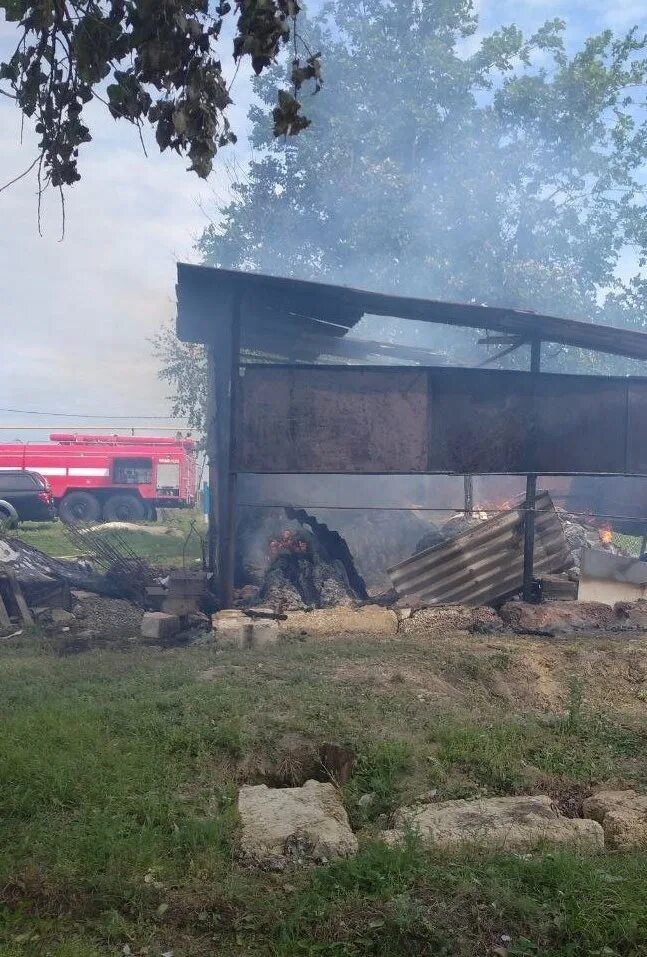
(606, 536)
(288, 544)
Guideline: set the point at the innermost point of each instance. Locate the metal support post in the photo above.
(531, 480)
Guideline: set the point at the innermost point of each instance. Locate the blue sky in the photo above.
(76, 315)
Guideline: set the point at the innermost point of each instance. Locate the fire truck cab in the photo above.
(110, 477)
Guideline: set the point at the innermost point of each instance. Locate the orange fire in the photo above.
(606, 536)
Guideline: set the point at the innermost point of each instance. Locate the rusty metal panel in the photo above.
(332, 420)
(581, 424)
(484, 564)
(438, 420)
(479, 422)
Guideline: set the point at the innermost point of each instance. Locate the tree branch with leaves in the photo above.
(153, 62)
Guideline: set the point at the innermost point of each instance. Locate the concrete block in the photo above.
(502, 823)
(294, 825)
(623, 816)
(157, 625)
(265, 631)
(179, 606)
(233, 627)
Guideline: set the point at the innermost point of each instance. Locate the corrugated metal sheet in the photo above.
(485, 563)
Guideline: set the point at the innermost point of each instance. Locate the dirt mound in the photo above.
(528, 674)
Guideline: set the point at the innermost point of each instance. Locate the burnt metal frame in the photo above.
(223, 342)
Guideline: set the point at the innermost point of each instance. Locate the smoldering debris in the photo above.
(86, 606)
(372, 540)
(43, 578)
(313, 570)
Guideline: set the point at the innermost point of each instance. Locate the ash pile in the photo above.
(289, 560)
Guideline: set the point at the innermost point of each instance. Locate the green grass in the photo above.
(631, 543)
(52, 538)
(119, 775)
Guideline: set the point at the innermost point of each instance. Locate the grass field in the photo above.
(163, 549)
(119, 772)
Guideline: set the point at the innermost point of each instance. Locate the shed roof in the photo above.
(277, 309)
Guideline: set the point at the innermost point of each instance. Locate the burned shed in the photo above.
(284, 398)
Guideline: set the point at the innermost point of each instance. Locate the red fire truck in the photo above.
(110, 477)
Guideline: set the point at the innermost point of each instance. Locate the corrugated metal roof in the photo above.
(285, 306)
(485, 563)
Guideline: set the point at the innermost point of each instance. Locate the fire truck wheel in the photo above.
(79, 507)
(124, 508)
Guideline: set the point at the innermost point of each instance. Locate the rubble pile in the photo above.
(99, 616)
(86, 606)
(580, 535)
(47, 580)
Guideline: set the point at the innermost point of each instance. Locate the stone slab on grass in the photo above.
(505, 823)
(623, 816)
(298, 825)
(232, 628)
(341, 620)
(236, 628)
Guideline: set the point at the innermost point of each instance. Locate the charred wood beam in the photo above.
(308, 348)
(502, 353)
(347, 306)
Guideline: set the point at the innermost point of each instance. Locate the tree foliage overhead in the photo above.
(154, 61)
(506, 171)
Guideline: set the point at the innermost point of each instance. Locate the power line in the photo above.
(82, 415)
(566, 514)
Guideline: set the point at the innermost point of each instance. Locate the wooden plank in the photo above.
(554, 588)
(5, 620)
(23, 607)
(224, 357)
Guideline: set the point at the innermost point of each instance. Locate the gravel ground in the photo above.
(107, 617)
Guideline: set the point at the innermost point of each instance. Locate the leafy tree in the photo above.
(184, 366)
(154, 61)
(506, 171)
